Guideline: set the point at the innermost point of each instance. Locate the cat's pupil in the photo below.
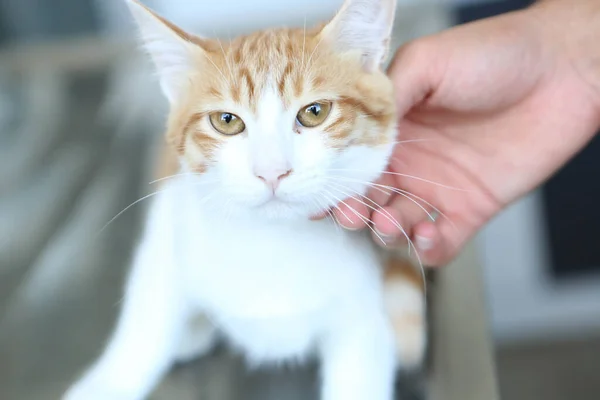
(315, 109)
(227, 118)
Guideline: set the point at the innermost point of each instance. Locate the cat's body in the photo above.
(228, 246)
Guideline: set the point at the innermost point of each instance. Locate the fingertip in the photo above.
(351, 217)
(320, 216)
(388, 222)
(430, 244)
(426, 235)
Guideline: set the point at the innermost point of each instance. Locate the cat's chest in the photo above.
(246, 271)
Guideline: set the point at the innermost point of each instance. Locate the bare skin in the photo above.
(489, 110)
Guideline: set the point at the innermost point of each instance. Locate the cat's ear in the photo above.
(172, 49)
(364, 27)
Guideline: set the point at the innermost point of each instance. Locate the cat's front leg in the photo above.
(358, 357)
(142, 346)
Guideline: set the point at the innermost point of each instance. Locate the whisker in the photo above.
(378, 187)
(304, 42)
(226, 81)
(232, 76)
(386, 214)
(145, 198)
(407, 176)
(178, 175)
(340, 210)
(412, 196)
(312, 54)
(325, 207)
(411, 141)
(128, 207)
(367, 221)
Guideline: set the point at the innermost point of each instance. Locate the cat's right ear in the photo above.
(172, 49)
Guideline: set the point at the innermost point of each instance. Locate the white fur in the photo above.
(278, 291)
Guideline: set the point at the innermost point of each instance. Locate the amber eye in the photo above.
(314, 114)
(227, 123)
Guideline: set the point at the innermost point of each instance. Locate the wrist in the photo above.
(572, 30)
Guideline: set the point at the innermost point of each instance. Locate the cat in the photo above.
(264, 133)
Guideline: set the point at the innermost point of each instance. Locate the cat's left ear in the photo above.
(363, 27)
(171, 48)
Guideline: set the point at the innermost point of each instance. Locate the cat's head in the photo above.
(285, 123)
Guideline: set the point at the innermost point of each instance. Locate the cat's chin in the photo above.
(282, 210)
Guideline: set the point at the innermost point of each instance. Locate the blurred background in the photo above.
(80, 117)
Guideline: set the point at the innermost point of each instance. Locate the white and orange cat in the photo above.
(268, 130)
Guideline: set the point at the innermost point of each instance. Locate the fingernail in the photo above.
(424, 243)
(386, 238)
(337, 221)
(349, 228)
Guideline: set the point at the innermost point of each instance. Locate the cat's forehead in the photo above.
(285, 61)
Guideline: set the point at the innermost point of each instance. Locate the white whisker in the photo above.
(232, 76)
(385, 213)
(411, 141)
(312, 54)
(367, 221)
(390, 218)
(178, 175)
(379, 187)
(128, 207)
(325, 208)
(340, 210)
(412, 197)
(141, 200)
(304, 42)
(407, 176)
(226, 81)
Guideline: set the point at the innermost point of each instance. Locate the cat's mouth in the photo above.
(275, 201)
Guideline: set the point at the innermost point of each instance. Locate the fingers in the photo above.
(415, 74)
(397, 219)
(356, 213)
(438, 243)
(352, 215)
(405, 222)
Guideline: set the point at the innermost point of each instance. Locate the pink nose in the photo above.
(274, 178)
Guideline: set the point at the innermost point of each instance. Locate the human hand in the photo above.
(489, 110)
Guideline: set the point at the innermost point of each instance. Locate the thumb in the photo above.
(416, 72)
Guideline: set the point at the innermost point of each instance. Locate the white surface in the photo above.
(525, 304)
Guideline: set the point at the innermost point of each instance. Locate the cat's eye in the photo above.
(314, 114)
(227, 123)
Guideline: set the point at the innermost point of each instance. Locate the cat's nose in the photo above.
(274, 177)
